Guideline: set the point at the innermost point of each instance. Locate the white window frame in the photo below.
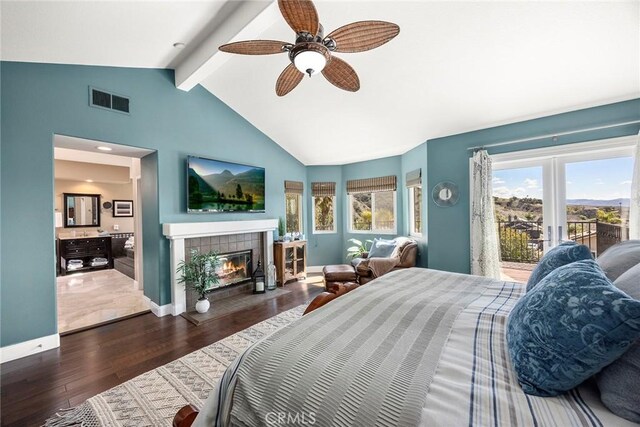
(313, 217)
(373, 206)
(553, 160)
(300, 211)
(412, 231)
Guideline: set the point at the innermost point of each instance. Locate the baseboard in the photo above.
(159, 310)
(315, 268)
(27, 348)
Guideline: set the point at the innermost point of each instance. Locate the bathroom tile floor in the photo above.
(86, 299)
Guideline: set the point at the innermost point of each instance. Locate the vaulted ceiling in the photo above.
(455, 67)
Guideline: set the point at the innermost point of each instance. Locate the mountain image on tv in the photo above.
(217, 186)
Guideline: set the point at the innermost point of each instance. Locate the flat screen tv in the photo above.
(217, 186)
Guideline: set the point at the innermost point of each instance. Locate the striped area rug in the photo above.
(153, 398)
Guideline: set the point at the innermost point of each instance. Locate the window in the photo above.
(372, 205)
(324, 214)
(293, 191)
(293, 212)
(373, 212)
(415, 211)
(414, 187)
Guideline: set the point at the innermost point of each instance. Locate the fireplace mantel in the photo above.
(178, 232)
(189, 230)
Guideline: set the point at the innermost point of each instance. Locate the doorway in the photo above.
(579, 192)
(98, 232)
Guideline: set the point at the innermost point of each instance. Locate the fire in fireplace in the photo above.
(235, 267)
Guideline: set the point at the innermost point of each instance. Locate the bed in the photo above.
(416, 347)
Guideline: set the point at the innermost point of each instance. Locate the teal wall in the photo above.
(371, 169)
(40, 100)
(448, 159)
(410, 161)
(324, 249)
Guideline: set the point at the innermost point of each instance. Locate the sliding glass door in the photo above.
(576, 192)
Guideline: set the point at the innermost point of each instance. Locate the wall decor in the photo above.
(123, 208)
(445, 194)
(107, 205)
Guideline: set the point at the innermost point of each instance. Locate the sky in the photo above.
(597, 179)
(207, 167)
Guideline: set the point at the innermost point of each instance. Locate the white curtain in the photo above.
(634, 207)
(485, 249)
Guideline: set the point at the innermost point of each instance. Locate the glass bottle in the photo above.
(271, 277)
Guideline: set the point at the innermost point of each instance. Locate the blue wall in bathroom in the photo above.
(40, 100)
(448, 160)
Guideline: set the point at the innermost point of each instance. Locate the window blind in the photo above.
(414, 178)
(293, 187)
(372, 185)
(323, 189)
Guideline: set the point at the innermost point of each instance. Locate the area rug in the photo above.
(153, 398)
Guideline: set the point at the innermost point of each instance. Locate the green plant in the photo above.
(359, 248)
(199, 274)
(281, 229)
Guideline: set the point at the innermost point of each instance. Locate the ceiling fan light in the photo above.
(310, 62)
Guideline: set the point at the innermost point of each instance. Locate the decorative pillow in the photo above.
(619, 383)
(570, 326)
(564, 253)
(619, 258)
(629, 282)
(382, 248)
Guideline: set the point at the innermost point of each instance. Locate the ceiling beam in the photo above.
(242, 20)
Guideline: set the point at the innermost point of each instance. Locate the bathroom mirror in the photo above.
(81, 210)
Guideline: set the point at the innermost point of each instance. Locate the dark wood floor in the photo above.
(92, 361)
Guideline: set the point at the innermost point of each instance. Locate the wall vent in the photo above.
(109, 101)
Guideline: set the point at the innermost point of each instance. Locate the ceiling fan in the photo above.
(312, 51)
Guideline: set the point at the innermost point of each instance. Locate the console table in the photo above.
(290, 259)
(84, 249)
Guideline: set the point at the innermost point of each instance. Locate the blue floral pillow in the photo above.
(563, 254)
(569, 327)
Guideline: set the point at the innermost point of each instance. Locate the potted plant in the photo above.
(281, 229)
(199, 274)
(358, 248)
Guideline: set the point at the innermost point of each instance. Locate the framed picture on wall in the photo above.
(122, 208)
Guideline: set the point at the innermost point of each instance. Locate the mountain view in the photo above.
(214, 191)
(530, 209)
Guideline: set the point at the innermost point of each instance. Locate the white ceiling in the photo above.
(455, 67)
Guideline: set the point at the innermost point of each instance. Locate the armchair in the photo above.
(403, 256)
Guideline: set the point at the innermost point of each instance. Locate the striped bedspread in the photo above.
(415, 347)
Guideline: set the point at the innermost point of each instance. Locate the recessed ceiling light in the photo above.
(179, 45)
(103, 148)
(89, 180)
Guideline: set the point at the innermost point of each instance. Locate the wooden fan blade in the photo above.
(288, 80)
(301, 15)
(340, 74)
(363, 35)
(254, 47)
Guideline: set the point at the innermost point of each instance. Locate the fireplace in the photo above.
(235, 267)
(222, 237)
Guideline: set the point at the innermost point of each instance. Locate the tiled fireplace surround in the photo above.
(222, 236)
(222, 245)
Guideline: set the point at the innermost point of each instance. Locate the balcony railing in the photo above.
(523, 241)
